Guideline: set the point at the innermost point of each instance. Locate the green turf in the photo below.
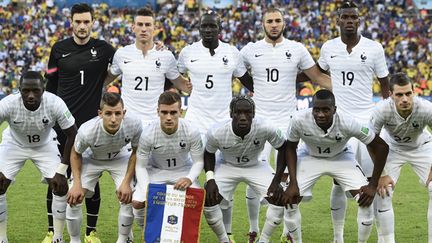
(27, 214)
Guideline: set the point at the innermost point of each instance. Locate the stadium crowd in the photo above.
(28, 31)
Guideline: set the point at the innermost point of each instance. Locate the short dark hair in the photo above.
(400, 79)
(169, 98)
(324, 94)
(346, 5)
(146, 11)
(110, 99)
(213, 14)
(31, 75)
(236, 99)
(272, 10)
(81, 8)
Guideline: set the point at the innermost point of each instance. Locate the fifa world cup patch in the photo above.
(279, 132)
(67, 114)
(365, 130)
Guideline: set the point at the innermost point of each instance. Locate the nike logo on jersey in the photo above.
(333, 56)
(258, 55)
(389, 124)
(65, 55)
(226, 147)
(98, 145)
(157, 147)
(194, 60)
(382, 211)
(17, 122)
(126, 62)
(307, 134)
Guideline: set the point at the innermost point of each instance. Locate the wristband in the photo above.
(62, 168)
(209, 175)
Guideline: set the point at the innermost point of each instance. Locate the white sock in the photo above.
(253, 207)
(429, 214)
(385, 218)
(214, 216)
(73, 222)
(139, 217)
(292, 219)
(227, 218)
(58, 209)
(338, 204)
(274, 217)
(125, 222)
(3, 218)
(365, 223)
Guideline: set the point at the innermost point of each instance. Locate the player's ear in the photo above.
(335, 108)
(124, 112)
(100, 113)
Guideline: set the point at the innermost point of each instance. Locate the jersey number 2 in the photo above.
(140, 80)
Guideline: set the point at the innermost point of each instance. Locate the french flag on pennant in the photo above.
(173, 216)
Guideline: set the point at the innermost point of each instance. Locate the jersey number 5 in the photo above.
(140, 80)
(209, 82)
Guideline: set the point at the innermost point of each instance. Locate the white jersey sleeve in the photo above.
(324, 55)
(381, 70)
(115, 66)
(240, 69)
(81, 142)
(63, 116)
(360, 131)
(172, 71)
(306, 60)
(212, 144)
(181, 63)
(293, 133)
(275, 136)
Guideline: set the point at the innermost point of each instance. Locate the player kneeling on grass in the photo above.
(325, 133)
(102, 144)
(170, 151)
(240, 141)
(31, 116)
(404, 118)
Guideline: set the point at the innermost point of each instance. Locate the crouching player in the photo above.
(102, 145)
(240, 141)
(170, 151)
(325, 133)
(31, 116)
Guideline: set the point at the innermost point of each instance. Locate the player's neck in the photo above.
(211, 44)
(144, 46)
(80, 41)
(169, 131)
(273, 42)
(350, 40)
(405, 114)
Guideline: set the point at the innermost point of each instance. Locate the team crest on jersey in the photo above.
(225, 60)
(256, 142)
(415, 125)
(338, 137)
(288, 55)
(94, 55)
(363, 58)
(158, 63)
(45, 121)
(182, 144)
(127, 140)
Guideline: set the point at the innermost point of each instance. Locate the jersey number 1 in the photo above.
(82, 76)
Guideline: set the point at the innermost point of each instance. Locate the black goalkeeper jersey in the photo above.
(76, 73)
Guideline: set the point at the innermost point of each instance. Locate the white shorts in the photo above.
(170, 177)
(420, 160)
(92, 169)
(362, 156)
(258, 177)
(343, 168)
(13, 156)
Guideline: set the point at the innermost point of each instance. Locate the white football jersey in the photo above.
(143, 78)
(242, 152)
(274, 70)
(327, 144)
(170, 152)
(403, 133)
(352, 73)
(211, 77)
(33, 128)
(106, 146)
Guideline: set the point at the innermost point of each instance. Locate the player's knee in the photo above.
(73, 212)
(3, 208)
(139, 216)
(274, 214)
(138, 205)
(383, 204)
(250, 193)
(225, 204)
(213, 214)
(126, 210)
(4, 183)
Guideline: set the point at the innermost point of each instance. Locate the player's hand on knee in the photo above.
(212, 192)
(291, 195)
(275, 191)
(138, 204)
(124, 193)
(183, 184)
(4, 183)
(75, 195)
(59, 184)
(367, 195)
(384, 185)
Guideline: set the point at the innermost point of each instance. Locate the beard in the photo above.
(273, 38)
(80, 36)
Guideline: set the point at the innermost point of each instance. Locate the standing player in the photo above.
(352, 61)
(404, 119)
(144, 69)
(325, 134)
(107, 137)
(170, 151)
(76, 70)
(274, 63)
(240, 141)
(31, 116)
